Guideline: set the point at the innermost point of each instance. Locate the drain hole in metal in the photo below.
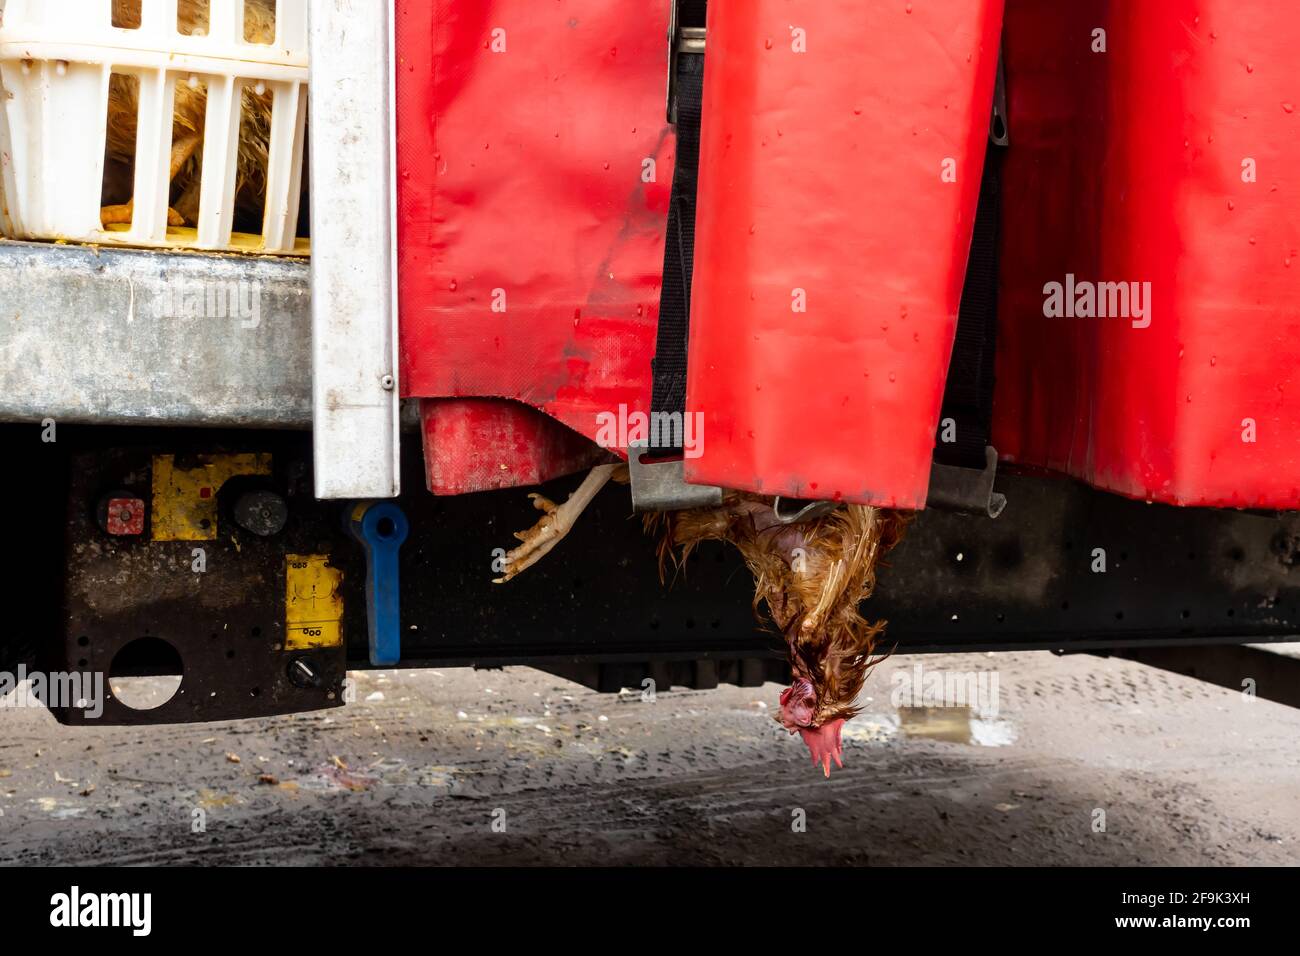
(146, 673)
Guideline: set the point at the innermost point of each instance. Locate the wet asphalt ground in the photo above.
(1074, 760)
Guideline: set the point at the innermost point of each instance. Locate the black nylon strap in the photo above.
(691, 13)
(968, 393)
(669, 392)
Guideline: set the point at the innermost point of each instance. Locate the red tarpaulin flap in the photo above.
(482, 444)
(534, 169)
(840, 165)
(1153, 145)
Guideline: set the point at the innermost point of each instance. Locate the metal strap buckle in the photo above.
(680, 40)
(661, 485)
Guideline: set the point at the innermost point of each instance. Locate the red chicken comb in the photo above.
(824, 743)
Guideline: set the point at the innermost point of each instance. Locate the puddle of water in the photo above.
(59, 809)
(958, 725)
(871, 728)
(986, 732)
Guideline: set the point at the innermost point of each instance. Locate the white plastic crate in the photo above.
(57, 58)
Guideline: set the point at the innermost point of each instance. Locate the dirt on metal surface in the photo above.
(427, 767)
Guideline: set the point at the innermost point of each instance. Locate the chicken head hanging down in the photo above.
(188, 121)
(812, 575)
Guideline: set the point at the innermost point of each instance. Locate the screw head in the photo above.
(303, 673)
(264, 513)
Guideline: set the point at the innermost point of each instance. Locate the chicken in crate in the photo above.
(161, 123)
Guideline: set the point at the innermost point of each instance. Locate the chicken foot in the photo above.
(557, 521)
(182, 150)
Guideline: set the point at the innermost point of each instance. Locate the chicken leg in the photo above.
(182, 149)
(557, 522)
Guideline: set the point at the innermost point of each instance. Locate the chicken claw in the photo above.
(557, 521)
(541, 503)
(123, 214)
(182, 149)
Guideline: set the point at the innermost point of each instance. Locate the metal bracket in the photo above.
(354, 251)
(661, 485)
(680, 40)
(969, 490)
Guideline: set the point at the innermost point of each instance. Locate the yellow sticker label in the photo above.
(185, 499)
(313, 602)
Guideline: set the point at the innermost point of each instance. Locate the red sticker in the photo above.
(125, 516)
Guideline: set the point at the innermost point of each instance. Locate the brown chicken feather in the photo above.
(812, 576)
(189, 115)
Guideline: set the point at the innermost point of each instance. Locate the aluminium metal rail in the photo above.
(115, 336)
